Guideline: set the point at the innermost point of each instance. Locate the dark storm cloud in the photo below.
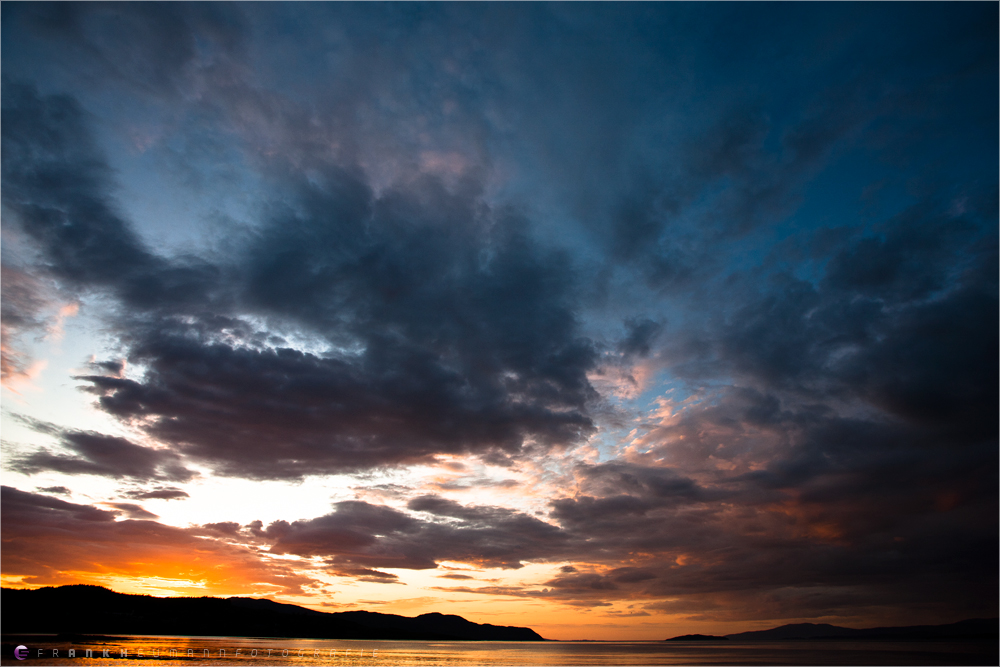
(452, 311)
(755, 449)
(662, 484)
(844, 514)
(755, 552)
(922, 355)
(368, 536)
(640, 335)
(464, 333)
(753, 556)
(57, 185)
(932, 363)
(777, 556)
(105, 455)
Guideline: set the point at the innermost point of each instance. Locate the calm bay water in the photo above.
(231, 651)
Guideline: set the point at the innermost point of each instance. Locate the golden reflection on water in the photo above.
(229, 651)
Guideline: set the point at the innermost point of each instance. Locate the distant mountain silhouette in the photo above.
(90, 610)
(977, 628)
(697, 638)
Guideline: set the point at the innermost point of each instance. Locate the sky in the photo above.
(618, 321)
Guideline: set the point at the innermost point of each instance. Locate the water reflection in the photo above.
(160, 650)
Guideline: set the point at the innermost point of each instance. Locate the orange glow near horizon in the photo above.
(219, 574)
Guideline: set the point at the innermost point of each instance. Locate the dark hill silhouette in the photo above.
(697, 638)
(90, 610)
(976, 628)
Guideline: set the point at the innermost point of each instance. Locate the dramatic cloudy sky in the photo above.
(614, 320)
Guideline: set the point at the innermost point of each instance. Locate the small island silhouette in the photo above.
(971, 629)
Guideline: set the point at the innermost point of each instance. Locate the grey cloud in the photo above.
(654, 482)
(26, 309)
(33, 506)
(133, 511)
(582, 582)
(371, 576)
(913, 257)
(869, 331)
(844, 502)
(933, 365)
(696, 555)
(165, 493)
(358, 534)
(105, 455)
(58, 186)
(465, 338)
(61, 490)
(228, 528)
(640, 335)
(467, 335)
(631, 575)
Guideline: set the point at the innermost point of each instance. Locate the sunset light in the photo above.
(614, 321)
